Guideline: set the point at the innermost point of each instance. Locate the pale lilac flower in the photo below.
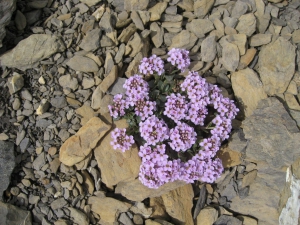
(144, 108)
(182, 137)
(118, 107)
(120, 140)
(151, 65)
(176, 107)
(179, 57)
(136, 88)
(154, 130)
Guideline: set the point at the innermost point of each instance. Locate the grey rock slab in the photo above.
(230, 56)
(37, 48)
(81, 63)
(12, 215)
(246, 24)
(157, 34)
(38, 4)
(7, 164)
(33, 16)
(91, 41)
(276, 65)
(58, 203)
(130, 5)
(202, 7)
(145, 16)
(200, 27)
(20, 20)
(272, 134)
(120, 53)
(240, 40)
(127, 33)
(124, 219)
(260, 39)
(96, 98)
(39, 161)
(137, 20)
(117, 87)
(91, 2)
(184, 39)
(225, 219)
(209, 49)
(110, 79)
(68, 81)
(78, 216)
(239, 9)
(58, 102)
(7, 7)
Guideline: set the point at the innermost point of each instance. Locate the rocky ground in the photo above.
(62, 62)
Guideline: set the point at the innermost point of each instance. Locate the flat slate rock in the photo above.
(12, 215)
(7, 164)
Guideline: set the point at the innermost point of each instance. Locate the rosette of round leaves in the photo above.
(178, 122)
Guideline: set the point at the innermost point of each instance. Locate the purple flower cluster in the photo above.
(154, 130)
(179, 57)
(176, 107)
(120, 140)
(151, 65)
(136, 88)
(157, 169)
(186, 108)
(144, 108)
(182, 137)
(118, 107)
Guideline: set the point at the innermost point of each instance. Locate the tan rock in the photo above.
(88, 181)
(292, 88)
(61, 222)
(291, 101)
(260, 39)
(116, 166)
(202, 7)
(73, 102)
(179, 203)
(240, 40)
(133, 65)
(107, 208)
(159, 210)
(105, 101)
(136, 191)
(248, 80)
(77, 147)
(249, 178)
(37, 47)
(247, 220)
(230, 56)
(247, 58)
(246, 24)
(157, 10)
(229, 157)
(96, 98)
(207, 216)
(200, 27)
(130, 5)
(86, 113)
(138, 44)
(276, 65)
(78, 216)
(296, 36)
(151, 222)
(184, 39)
(187, 5)
(109, 79)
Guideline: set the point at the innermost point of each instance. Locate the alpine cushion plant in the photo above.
(179, 123)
